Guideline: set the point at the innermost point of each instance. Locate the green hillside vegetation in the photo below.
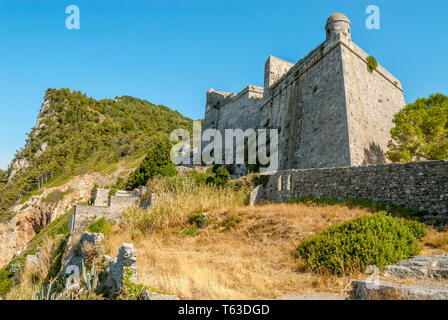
(421, 131)
(84, 135)
(156, 163)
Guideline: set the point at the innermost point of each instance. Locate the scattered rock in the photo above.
(314, 296)
(426, 290)
(202, 223)
(90, 244)
(256, 195)
(32, 259)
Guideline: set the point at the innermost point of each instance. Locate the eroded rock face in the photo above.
(127, 258)
(35, 214)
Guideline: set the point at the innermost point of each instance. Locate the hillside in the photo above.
(75, 134)
(77, 142)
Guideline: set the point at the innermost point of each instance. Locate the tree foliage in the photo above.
(156, 163)
(421, 131)
(82, 134)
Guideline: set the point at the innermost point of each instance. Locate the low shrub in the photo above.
(377, 240)
(372, 64)
(199, 177)
(197, 218)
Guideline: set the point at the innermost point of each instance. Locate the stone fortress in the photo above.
(334, 117)
(329, 109)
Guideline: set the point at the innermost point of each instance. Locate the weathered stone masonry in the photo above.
(109, 206)
(330, 111)
(421, 186)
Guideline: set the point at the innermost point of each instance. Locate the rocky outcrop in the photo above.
(420, 267)
(126, 259)
(17, 165)
(431, 273)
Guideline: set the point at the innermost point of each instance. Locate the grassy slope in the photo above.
(83, 135)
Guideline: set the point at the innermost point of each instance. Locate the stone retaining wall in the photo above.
(421, 186)
(84, 214)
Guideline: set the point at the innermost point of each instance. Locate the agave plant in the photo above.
(90, 278)
(50, 292)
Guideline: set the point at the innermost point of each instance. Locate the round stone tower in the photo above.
(338, 23)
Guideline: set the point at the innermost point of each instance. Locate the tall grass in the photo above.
(32, 275)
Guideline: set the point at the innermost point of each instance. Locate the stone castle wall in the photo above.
(329, 109)
(372, 100)
(421, 186)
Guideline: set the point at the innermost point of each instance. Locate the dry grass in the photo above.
(33, 275)
(436, 241)
(250, 259)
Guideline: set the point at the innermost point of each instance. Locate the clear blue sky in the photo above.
(172, 52)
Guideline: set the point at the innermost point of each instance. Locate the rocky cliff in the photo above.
(32, 215)
(78, 142)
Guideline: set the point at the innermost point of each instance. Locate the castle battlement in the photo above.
(329, 109)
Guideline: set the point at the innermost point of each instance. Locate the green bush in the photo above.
(100, 226)
(200, 178)
(156, 163)
(231, 221)
(377, 240)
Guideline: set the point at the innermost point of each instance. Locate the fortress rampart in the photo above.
(421, 186)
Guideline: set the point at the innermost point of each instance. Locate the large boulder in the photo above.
(115, 270)
(435, 266)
